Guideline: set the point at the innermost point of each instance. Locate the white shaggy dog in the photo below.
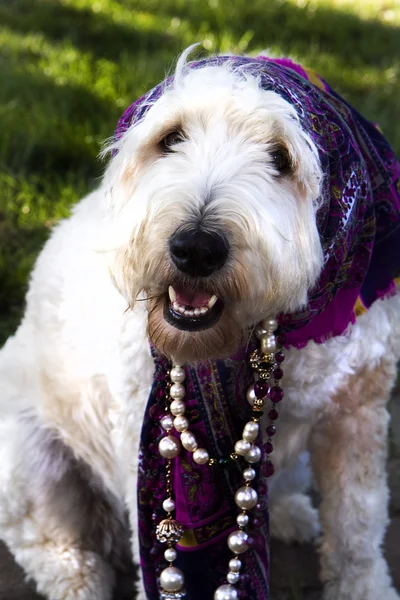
(217, 152)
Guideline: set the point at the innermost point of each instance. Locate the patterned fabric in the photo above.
(359, 227)
(217, 410)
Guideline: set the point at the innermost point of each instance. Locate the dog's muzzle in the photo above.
(198, 254)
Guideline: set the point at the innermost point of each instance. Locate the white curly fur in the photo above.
(75, 378)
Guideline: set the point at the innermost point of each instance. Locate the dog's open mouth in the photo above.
(192, 310)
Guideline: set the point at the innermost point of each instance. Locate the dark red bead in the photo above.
(267, 469)
(268, 447)
(271, 429)
(257, 522)
(277, 373)
(276, 394)
(273, 414)
(263, 490)
(279, 357)
(281, 339)
(260, 389)
(156, 412)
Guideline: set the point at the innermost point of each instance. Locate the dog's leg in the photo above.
(348, 452)
(292, 515)
(47, 515)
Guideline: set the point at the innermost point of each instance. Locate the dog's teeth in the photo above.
(171, 293)
(212, 301)
(192, 312)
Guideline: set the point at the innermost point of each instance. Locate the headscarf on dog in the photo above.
(359, 228)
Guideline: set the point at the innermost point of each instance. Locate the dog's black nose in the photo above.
(198, 253)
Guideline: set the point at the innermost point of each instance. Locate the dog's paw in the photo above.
(77, 576)
(332, 593)
(294, 519)
(361, 582)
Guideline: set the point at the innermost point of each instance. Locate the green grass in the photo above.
(69, 67)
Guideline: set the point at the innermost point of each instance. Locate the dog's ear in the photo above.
(305, 166)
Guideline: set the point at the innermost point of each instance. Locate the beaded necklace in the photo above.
(266, 364)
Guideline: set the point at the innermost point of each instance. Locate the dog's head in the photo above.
(212, 200)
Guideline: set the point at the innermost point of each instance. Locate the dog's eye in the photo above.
(281, 160)
(172, 139)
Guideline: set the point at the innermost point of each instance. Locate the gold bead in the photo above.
(169, 531)
(258, 404)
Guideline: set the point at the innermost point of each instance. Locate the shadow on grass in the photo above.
(19, 248)
(291, 27)
(271, 23)
(32, 136)
(88, 31)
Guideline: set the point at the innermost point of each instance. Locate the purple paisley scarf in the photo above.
(359, 227)
(217, 410)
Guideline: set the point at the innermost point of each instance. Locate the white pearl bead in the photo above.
(168, 505)
(235, 564)
(268, 344)
(237, 542)
(253, 455)
(250, 395)
(189, 441)
(171, 579)
(242, 447)
(242, 520)
(177, 391)
(225, 592)
(233, 577)
(250, 431)
(178, 408)
(167, 422)
(170, 554)
(177, 374)
(246, 498)
(201, 456)
(169, 447)
(181, 423)
(270, 325)
(260, 331)
(249, 474)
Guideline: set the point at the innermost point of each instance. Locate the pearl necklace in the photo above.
(266, 364)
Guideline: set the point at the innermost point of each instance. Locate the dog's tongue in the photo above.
(191, 298)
